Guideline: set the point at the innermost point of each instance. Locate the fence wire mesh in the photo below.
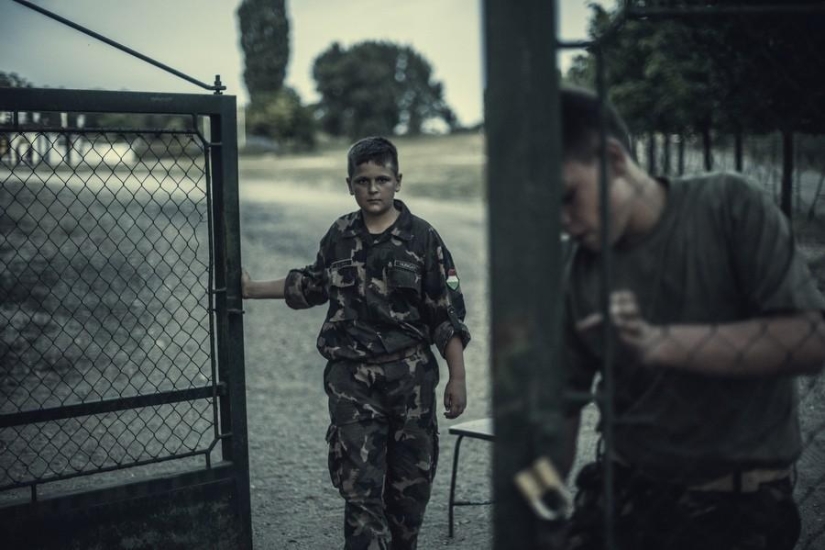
(104, 296)
(729, 94)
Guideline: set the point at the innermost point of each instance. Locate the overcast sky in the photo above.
(200, 38)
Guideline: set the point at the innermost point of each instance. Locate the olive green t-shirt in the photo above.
(721, 252)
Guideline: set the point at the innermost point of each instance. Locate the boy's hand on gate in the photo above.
(245, 280)
(455, 398)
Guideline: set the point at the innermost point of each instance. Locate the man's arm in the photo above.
(791, 344)
(256, 290)
(781, 345)
(455, 393)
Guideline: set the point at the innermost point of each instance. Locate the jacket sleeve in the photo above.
(443, 301)
(307, 287)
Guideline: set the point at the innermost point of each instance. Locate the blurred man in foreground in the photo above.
(714, 312)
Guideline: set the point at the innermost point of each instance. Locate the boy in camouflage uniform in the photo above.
(393, 291)
(714, 312)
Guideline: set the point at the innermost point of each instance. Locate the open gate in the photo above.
(123, 416)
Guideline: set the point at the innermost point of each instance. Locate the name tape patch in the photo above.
(409, 266)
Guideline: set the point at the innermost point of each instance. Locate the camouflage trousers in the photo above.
(383, 447)
(652, 515)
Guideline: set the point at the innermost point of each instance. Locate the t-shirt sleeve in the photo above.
(771, 271)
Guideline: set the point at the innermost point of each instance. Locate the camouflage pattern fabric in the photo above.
(383, 447)
(387, 293)
(658, 516)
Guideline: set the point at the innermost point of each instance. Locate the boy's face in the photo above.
(581, 216)
(374, 187)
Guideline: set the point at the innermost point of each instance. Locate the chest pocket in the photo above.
(404, 277)
(343, 276)
(404, 285)
(343, 291)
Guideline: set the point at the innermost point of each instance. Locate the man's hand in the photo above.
(455, 398)
(635, 333)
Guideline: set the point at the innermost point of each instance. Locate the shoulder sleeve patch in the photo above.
(452, 279)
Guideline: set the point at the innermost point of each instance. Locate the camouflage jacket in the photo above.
(387, 293)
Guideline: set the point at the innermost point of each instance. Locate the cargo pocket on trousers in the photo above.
(334, 456)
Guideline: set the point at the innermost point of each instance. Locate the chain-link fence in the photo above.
(708, 371)
(106, 328)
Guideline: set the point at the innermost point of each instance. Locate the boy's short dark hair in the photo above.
(372, 149)
(581, 124)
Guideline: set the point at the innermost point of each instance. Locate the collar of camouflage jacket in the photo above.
(401, 228)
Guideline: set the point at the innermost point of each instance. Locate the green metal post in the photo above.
(523, 171)
(229, 304)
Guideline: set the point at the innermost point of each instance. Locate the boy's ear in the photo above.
(398, 183)
(617, 157)
(349, 186)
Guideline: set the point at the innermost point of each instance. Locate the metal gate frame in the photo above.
(227, 388)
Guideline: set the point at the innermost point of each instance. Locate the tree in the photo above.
(281, 116)
(753, 72)
(265, 42)
(737, 72)
(377, 88)
(770, 66)
(655, 75)
(274, 111)
(13, 80)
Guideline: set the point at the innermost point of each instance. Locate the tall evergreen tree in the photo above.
(265, 41)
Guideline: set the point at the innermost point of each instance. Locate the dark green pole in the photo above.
(523, 171)
(229, 306)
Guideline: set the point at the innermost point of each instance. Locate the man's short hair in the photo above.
(580, 122)
(375, 149)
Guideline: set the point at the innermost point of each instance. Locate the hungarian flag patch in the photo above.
(452, 279)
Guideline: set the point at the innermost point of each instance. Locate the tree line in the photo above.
(749, 72)
(372, 87)
(734, 72)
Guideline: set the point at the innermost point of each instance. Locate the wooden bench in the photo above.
(476, 429)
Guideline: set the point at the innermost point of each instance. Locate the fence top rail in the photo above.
(103, 101)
